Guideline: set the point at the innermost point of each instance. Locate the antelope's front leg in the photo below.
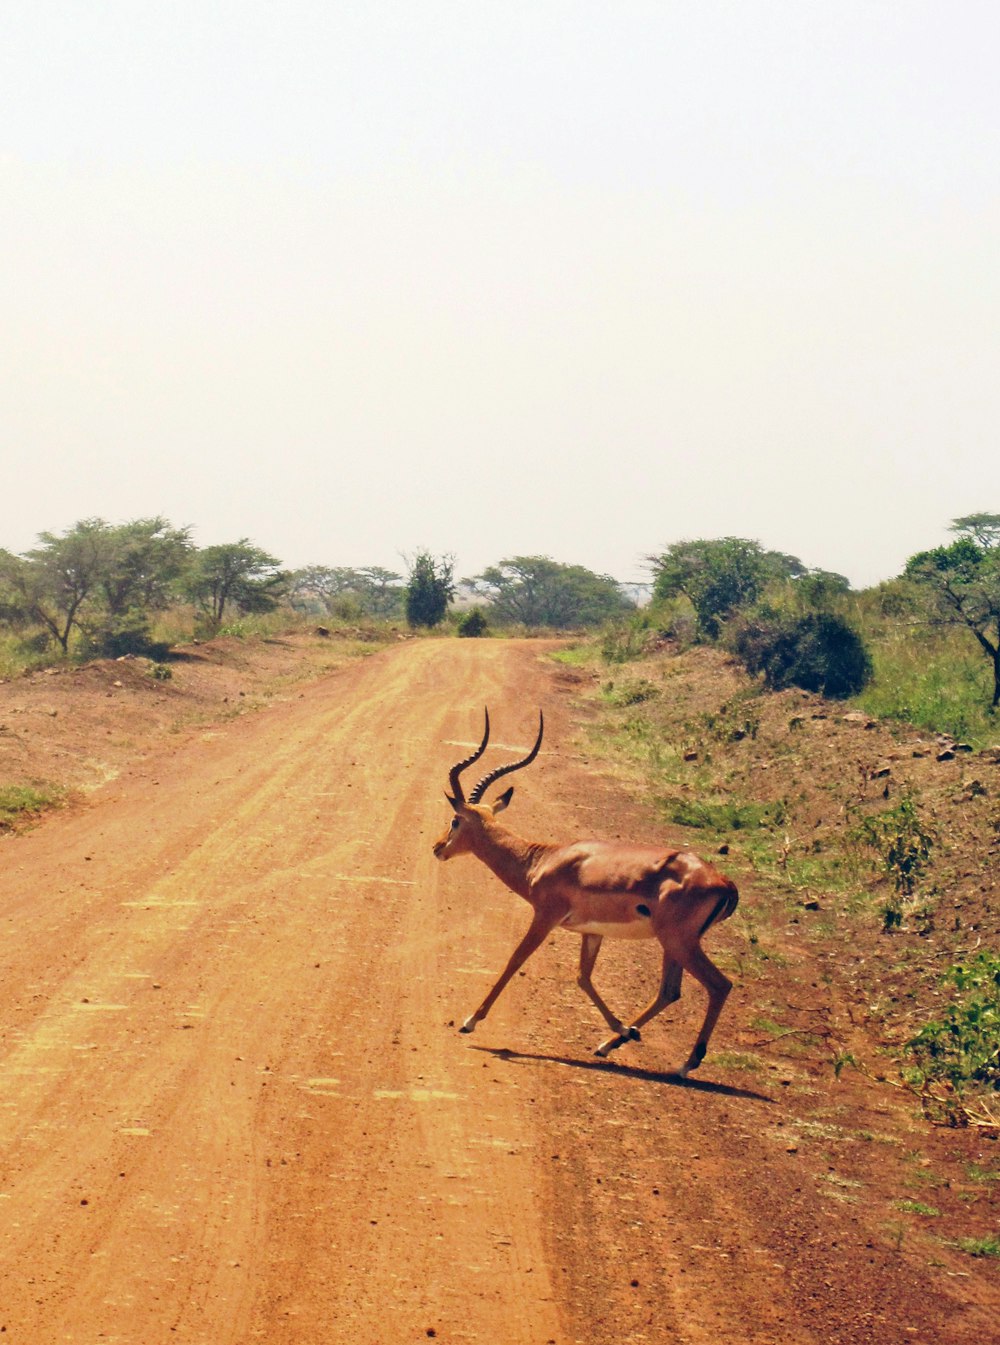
(619, 1039)
(589, 949)
(669, 991)
(538, 931)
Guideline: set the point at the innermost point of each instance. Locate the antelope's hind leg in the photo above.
(668, 993)
(718, 986)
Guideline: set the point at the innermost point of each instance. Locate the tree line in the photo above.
(790, 623)
(98, 589)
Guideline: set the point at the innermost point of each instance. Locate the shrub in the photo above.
(624, 641)
(430, 589)
(818, 652)
(473, 624)
(901, 842)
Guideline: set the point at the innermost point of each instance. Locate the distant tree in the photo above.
(819, 589)
(320, 584)
(780, 565)
(430, 589)
(538, 591)
(963, 583)
(381, 592)
(344, 590)
(235, 574)
(15, 600)
(718, 577)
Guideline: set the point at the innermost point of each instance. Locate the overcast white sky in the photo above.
(501, 277)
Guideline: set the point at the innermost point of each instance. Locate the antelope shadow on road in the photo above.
(626, 1071)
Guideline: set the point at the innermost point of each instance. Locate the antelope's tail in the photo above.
(729, 899)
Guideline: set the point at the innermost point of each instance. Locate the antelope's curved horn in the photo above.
(457, 770)
(493, 776)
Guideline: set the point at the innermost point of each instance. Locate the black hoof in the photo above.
(626, 1034)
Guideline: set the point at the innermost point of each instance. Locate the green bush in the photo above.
(473, 624)
(818, 652)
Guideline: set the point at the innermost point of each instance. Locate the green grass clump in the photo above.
(985, 1246)
(630, 691)
(18, 803)
(729, 815)
(935, 679)
(961, 1049)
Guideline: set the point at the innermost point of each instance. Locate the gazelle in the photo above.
(597, 889)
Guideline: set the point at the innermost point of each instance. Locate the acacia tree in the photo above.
(234, 574)
(430, 589)
(144, 559)
(371, 589)
(716, 576)
(51, 584)
(725, 575)
(143, 562)
(323, 583)
(963, 583)
(102, 579)
(381, 592)
(539, 591)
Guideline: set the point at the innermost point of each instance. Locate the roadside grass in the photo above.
(737, 768)
(580, 655)
(21, 803)
(20, 654)
(917, 1207)
(976, 1173)
(30, 651)
(934, 678)
(738, 1060)
(989, 1245)
(836, 1187)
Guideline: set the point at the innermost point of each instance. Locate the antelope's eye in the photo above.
(455, 821)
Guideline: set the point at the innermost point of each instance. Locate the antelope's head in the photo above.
(472, 816)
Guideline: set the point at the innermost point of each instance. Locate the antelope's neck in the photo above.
(509, 856)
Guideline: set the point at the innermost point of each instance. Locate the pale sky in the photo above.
(502, 277)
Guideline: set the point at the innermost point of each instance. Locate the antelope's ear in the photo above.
(503, 800)
(453, 802)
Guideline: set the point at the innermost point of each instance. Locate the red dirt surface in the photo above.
(234, 1105)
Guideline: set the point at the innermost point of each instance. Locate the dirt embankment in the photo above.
(235, 1106)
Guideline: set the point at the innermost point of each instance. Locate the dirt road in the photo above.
(234, 1105)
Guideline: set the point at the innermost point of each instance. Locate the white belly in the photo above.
(612, 929)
